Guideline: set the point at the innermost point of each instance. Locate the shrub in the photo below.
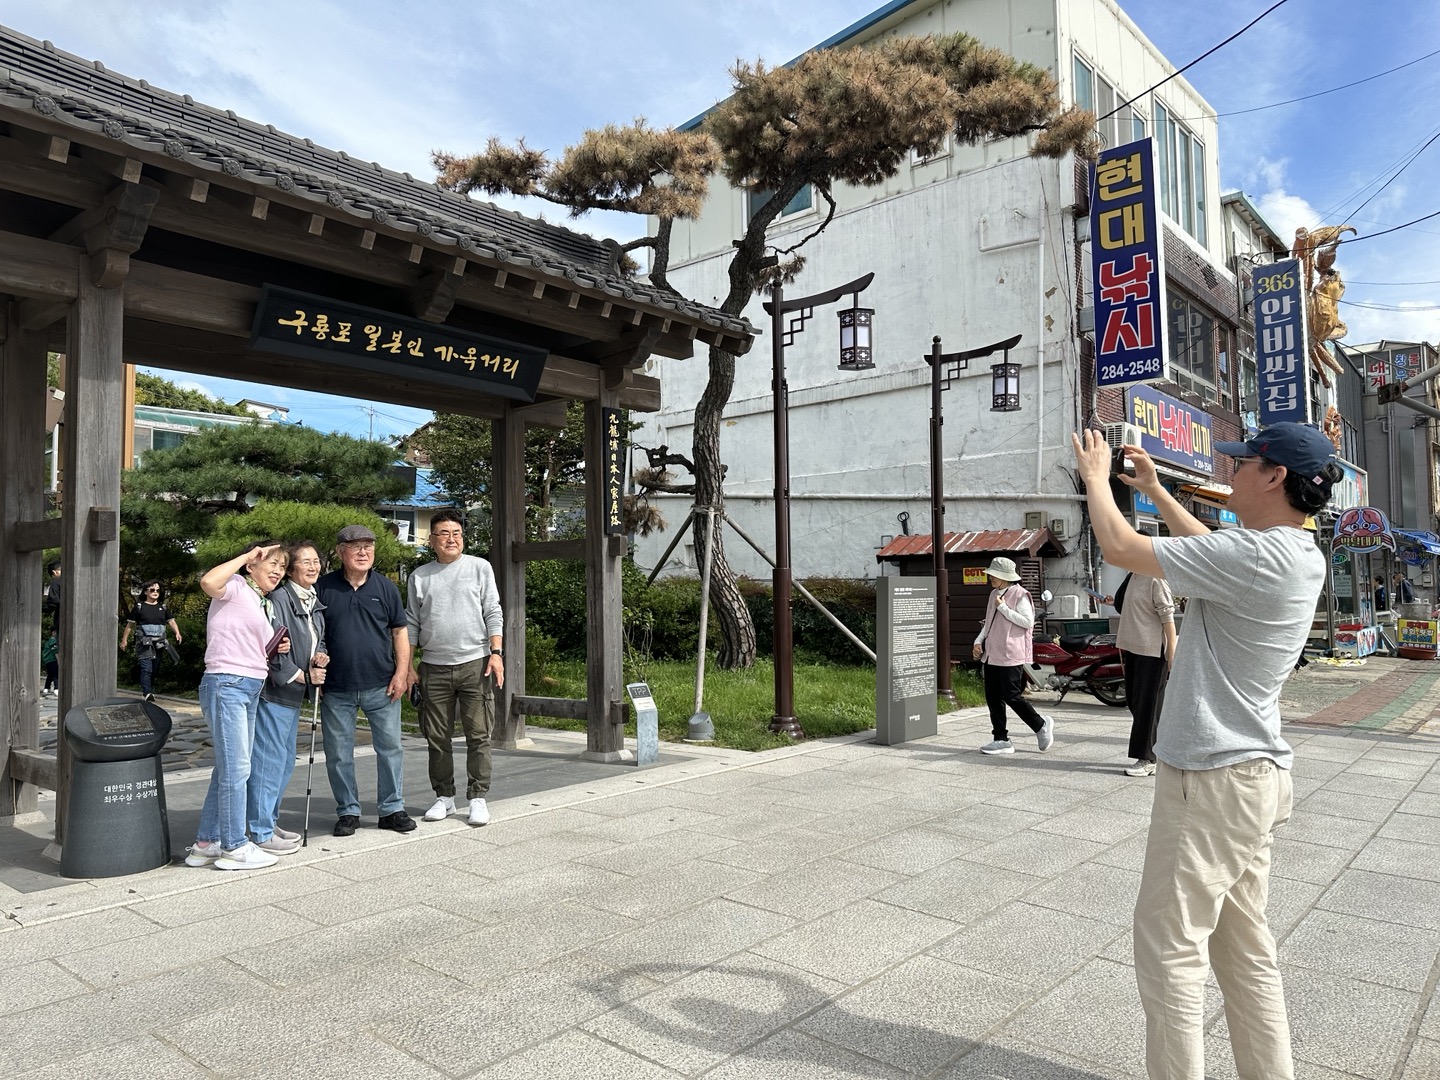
(816, 638)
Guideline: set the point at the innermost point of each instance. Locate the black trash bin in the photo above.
(115, 818)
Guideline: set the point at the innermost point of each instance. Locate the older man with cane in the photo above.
(1223, 774)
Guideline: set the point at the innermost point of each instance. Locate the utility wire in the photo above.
(1393, 228)
(1180, 71)
(1391, 307)
(1395, 175)
(1394, 283)
(1322, 93)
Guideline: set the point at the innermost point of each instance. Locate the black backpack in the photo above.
(1119, 604)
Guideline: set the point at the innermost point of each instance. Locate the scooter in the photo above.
(1088, 662)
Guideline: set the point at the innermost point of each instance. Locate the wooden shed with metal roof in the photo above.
(139, 226)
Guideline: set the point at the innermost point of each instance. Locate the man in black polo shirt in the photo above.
(365, 630)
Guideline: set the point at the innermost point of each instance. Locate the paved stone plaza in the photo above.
(835, 909)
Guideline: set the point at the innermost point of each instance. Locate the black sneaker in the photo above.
(347, 825)
(399, 821)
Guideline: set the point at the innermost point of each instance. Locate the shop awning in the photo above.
(1427, 542)
(1041, 542)
(1208, 489)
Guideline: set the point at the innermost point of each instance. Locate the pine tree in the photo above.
(835, 116)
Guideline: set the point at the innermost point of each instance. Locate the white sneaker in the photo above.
(444, 806)
(286, 834)
(479, 812)
(245, 857)
(998, 746)
(1141, 768)
(278, 845)
(199, 854)
(1045, 737)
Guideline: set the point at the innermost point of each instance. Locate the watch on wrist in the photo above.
(498, 652)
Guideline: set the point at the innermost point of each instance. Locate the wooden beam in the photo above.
(539, 550)
(316, 225)
(185, 299)
(537, 291)
(259, 208)
(507, 504)
(112, 231)
(560, 708)
(33, 767)
(126, 169)
(417, 252)
(189, 188)
(545, 414)
(35, 314)
(54, 148)
(38, 268)
(35, 535)
(433, 296)
(367, 239)
(22, 506)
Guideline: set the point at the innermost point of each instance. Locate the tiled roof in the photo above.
(84, 94)
(986, 542)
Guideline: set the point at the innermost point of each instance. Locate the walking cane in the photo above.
(310, 769)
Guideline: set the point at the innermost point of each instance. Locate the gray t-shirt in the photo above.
(1252, 596)
(453, 610)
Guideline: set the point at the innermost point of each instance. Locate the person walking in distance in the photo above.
(149, 617)
(1006, 644)
(454, 616)
(1146, 640)
(369, 670)
(1222, 783)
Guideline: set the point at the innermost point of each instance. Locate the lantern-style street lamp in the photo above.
(1004, 397)
(855, 355)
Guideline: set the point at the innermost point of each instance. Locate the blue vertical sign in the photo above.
(1127, 264)
(1281, 370)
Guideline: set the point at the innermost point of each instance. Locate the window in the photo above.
(1192, 346)
(166, 440)
(1104, 106)
(1084, 85)
(1249, 383)
(758, 198)
(1225, 350)
(1182, 173)
(917, 159)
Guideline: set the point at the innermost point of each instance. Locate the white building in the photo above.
(975, 244)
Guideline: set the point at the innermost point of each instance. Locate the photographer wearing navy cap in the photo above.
(1223, 773)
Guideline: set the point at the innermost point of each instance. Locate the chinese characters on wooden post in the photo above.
(1280, 348)
(348, 335)
(1127, 263)
(614, 471)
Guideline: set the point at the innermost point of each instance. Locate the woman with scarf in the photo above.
(239, 637)
(294, 677)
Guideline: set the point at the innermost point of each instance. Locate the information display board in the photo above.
(905, 659)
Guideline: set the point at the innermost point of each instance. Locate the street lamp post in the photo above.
(1004, 397)
(855, 355)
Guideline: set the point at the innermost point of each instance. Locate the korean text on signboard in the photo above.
(1280, 344)
(1170, 430)
(1127, 264)
(614, 470)
(296, 324)
(1407, 363)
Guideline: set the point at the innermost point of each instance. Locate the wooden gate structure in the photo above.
(138, 226)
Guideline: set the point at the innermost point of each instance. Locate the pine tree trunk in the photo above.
(737, 629)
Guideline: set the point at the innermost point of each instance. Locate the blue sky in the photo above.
(391, 81)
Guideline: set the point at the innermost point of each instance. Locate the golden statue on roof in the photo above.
(1315, 248)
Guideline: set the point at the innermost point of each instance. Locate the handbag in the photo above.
(1119, 602)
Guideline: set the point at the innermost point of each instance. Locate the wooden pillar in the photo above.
(507, 515)
(22, 499)
(604, 670)
(90, 534)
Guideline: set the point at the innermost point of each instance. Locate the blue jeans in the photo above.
(147, 673)
(338, 710)
(271, 766)
(229, 704)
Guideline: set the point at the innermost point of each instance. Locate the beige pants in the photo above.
(1202, 906)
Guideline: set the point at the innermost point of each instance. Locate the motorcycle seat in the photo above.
(1075, 643)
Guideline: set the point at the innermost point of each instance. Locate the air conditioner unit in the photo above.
(1065, 607)
(1034, 519)
(1122, 435)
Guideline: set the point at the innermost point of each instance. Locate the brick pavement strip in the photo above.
(972, 922)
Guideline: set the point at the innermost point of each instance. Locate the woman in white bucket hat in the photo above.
(1003, 647)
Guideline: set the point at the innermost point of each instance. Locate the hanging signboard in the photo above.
(1363, 529)
(1127, 267)
(1170, 430)
(348, 335)
(614, 471)
(1280, 344)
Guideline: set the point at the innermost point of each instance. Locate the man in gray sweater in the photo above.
(454, 616)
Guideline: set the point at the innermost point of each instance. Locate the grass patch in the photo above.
(830, 699)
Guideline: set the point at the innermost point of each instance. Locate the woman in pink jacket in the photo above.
(1004, 645)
